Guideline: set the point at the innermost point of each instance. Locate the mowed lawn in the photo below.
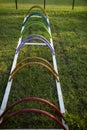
(69, 31)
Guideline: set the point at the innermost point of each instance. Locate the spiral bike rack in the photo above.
(4, 116)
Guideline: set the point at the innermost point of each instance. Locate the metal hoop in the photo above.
(33, 99)
(37, 6)
(34, 111)
(35, 37)
(34, 63)
(34, 57)
(35, 23)
(38, 14)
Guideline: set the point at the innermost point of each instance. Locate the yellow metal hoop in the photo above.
(31, 58)
(34, 63)
(37, 6)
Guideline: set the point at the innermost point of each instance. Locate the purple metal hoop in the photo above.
(35, 37)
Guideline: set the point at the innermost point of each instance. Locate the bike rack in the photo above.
(28, 61)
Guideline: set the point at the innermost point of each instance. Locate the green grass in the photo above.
(72, 55)
(52, 4)
(49, 2)
(69, 31)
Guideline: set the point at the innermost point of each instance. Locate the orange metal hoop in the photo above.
(36, 6)
(35, 58)
(34, 63)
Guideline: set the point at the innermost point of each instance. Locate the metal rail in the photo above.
(9, 83)
(58, 86)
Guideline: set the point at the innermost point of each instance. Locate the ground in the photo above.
(69, 32)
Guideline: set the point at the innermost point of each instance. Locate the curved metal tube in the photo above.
(35, 35)
(35, 38)
(34, 111)
(37, 6)
(34, 63)
(35, 23)
(38, 14)
(31, 36)
(34, 57)
(33, 99)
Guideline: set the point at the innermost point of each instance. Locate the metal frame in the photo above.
(58, 86)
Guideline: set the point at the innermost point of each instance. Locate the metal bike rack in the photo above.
(40, 61)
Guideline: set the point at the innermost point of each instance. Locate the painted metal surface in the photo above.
(34, 63)
(60, 97)
(39, 7)
(58, 86)
(37, 14)
(36, 23)
(33, 99)
(27, 110)
(28, 59)
(37, 38)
